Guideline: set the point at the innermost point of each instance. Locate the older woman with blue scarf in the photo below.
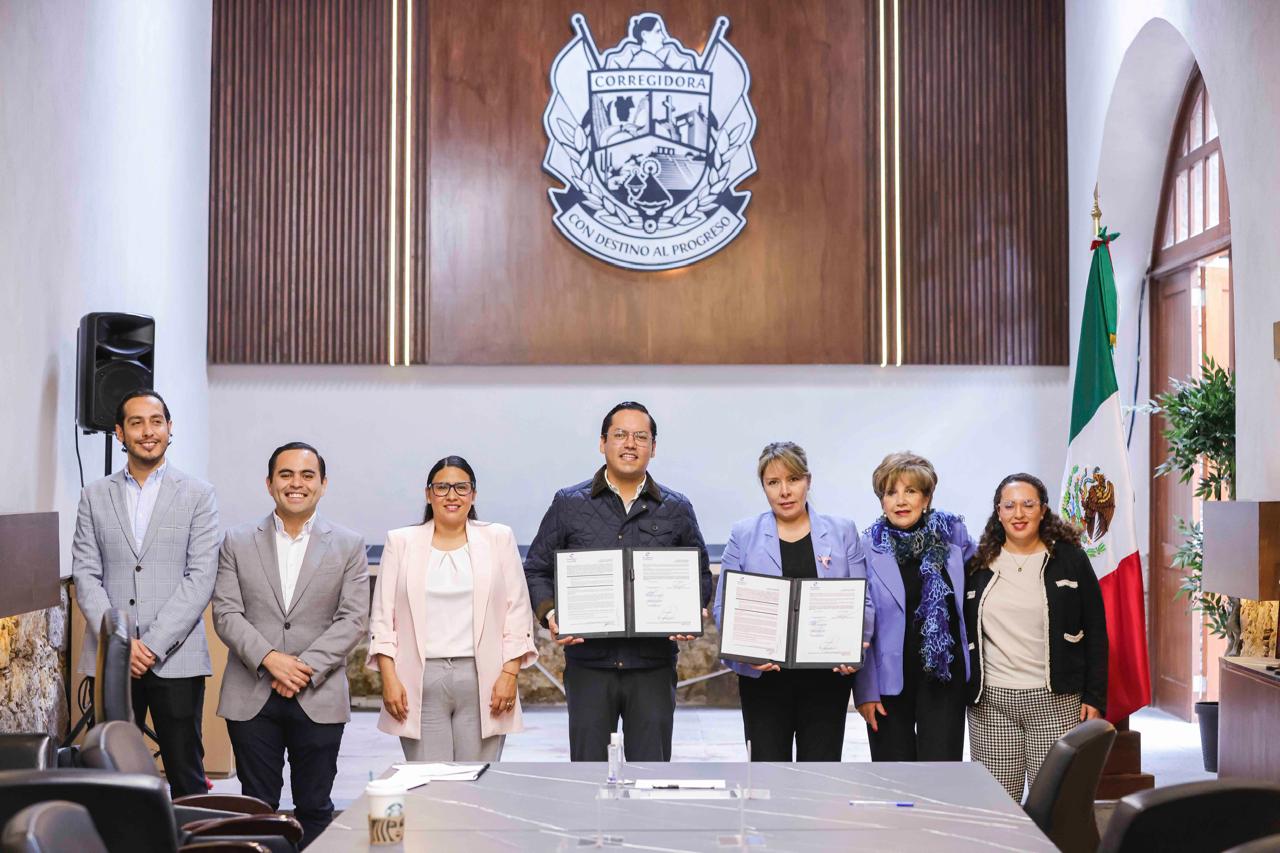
(911, 691)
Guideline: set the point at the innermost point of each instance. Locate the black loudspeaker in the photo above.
(115, 355)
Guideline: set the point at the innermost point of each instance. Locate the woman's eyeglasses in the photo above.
(462, 489)
(1010, 506)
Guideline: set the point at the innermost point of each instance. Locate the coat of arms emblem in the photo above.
(1090, 503)
(650, 140)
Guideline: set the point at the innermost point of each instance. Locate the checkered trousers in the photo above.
(1011, 731)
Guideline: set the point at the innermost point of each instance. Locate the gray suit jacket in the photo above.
(322, 624)
(164, 585)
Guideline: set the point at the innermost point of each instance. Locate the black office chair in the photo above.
(132, 811)
(112, 682)
(51, 827)
(1198, 817)
(1270, 844)
(110, 689)
(118, 746)
(27, 751)
(1061, 798)
(58, 826)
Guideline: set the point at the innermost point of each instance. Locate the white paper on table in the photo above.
(680, 784)
(413, 775)
(757, 609)
(829, 621)
(667, 591)
(589, 592)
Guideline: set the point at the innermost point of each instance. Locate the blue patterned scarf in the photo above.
(928, 543)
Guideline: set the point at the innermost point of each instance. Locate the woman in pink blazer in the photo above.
(451, 627)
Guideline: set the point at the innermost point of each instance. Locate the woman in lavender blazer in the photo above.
(804, 706)
(911, 691)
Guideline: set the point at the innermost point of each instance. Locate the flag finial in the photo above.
(1096, 213)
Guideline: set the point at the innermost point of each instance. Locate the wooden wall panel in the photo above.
(298, 209)
(506, 287)
(984, 191)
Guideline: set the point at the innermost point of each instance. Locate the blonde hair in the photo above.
(915, 469)
(790, 454)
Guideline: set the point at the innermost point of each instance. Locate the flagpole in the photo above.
(1096, 213)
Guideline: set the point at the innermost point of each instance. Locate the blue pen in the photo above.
(881, 803)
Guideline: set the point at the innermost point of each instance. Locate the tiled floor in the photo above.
(1170, 747)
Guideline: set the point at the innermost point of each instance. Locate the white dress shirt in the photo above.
(449, 616)
(290, 553)
(140, 499)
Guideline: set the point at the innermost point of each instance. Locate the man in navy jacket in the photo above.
(620, 507)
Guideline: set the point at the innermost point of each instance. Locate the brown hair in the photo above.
(906, 465)
(1052, 528)
(790, 454)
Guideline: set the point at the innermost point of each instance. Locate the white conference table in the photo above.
(558, 806)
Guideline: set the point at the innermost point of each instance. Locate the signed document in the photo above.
(591, 593)
(797, 623)
(666, 592)
(828, 625)
(757, 616)
(632, 592)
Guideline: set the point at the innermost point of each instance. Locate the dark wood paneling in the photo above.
(1248, 719)
(984, 191)
(298, 208)
(506, 287)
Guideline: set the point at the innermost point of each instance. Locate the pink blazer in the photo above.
(502, 618)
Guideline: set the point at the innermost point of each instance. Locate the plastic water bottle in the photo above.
(615, 758)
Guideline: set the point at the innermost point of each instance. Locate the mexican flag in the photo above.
(1097, 492)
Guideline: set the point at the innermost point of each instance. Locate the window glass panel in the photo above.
(1212, 219)
(1213, 125)
(1180, 201)
(1182, 145)
(1197, 121)
(1168, 230)
(1197, 197)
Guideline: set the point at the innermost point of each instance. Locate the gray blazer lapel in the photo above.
(121, 503)
(168, 489)
(265, 539)
(317, 545)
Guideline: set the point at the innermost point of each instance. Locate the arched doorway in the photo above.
(1191, 320)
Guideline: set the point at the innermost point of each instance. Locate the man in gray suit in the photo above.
(146, 542)
(291, 602)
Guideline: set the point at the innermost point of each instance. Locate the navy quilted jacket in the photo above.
(590, 515)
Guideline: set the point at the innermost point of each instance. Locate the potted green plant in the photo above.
(1200, 428)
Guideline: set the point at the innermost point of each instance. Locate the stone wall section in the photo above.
(32, 648)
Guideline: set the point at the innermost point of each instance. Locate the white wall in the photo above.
(104, 164)
(1127, 66)
(528, 431)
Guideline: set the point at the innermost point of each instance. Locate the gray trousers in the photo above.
(451, 712)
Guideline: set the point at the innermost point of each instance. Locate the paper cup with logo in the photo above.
(386, 811)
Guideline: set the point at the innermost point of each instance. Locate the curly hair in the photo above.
(1052, 528)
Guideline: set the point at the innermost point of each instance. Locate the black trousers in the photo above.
(645, 699)
(925, 721)
(804, 706)
(177, 710)
(260, 744)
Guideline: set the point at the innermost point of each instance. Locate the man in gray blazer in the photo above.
(291, 601)
(146, 542)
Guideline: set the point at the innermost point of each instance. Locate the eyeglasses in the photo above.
(1010, 506)
(462, 489)
(640, 437)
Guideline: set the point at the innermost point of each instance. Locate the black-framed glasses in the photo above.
(640, 437)
(462, 489)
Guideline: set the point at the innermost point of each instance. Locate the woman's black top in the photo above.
(797, 558)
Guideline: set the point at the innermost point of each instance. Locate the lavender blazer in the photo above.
(882, 674)
(753, 547)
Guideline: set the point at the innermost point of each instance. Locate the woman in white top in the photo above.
(451, 627)
(1037, 635)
